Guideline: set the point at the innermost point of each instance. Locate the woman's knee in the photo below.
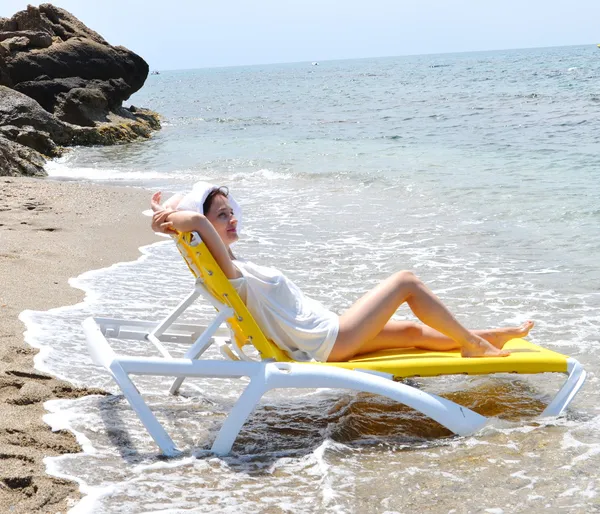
(406, 277)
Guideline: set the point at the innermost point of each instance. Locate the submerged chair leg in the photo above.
(156, 430)
(569, 389)
(238, 415)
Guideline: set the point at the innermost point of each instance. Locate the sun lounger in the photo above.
(268, 367)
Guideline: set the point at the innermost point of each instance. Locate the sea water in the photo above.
(480, 172)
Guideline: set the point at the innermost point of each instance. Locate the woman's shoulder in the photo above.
(250, 268)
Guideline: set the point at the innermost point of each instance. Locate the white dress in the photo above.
(299, 325)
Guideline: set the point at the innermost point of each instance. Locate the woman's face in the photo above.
(222, 218)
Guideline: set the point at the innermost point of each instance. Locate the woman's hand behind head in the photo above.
(155, 202)
(159, 219)
(160, 222)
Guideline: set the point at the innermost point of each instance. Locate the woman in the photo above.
(302, 326)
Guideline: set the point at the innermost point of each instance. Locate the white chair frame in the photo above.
(264, 375)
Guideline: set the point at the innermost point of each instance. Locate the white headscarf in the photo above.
(194, 201)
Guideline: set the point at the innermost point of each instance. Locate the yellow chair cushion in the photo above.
(526, 357)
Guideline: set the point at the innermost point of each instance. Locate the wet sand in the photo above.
(50, 231)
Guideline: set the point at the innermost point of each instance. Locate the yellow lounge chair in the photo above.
(272, 368)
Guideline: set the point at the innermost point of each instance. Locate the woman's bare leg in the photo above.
(368, 316)
(408, 334)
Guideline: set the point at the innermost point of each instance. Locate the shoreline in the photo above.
(50, 231)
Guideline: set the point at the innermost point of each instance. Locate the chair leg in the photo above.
(174, 389)
(201, 345)
(238, 415)
(198, 348)
(193, 353)
(569, 389)
(156, 430)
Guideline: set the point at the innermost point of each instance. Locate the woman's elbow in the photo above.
(188, 221)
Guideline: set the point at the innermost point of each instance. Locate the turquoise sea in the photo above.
(479, 171)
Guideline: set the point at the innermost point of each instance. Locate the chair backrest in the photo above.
(204, 267)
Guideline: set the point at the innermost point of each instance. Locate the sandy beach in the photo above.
(49, 231)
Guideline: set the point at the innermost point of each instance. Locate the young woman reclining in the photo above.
(303, 327)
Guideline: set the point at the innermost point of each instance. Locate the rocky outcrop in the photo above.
(62, 84)
(18, 110)
(19, 160)
(4, 76)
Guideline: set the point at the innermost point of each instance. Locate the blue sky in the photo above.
(184, 34)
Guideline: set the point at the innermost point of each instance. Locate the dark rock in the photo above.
(71, 26)
(66, 49)
(46, 91)
(18, 160)
(115, 90)
(80, 58)
(50, 19)
(4, 76)
(14, 44)
(82, 106)
(19, 110)
(36, 39)
(36, 139)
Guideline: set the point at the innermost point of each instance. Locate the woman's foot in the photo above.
(477, 346)
(500, 336)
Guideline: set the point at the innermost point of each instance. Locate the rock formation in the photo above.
(62, 84)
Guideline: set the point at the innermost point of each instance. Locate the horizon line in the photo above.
(214, 66)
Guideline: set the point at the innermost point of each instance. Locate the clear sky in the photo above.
(180, 34)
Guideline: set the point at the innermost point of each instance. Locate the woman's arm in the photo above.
(167, 221)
